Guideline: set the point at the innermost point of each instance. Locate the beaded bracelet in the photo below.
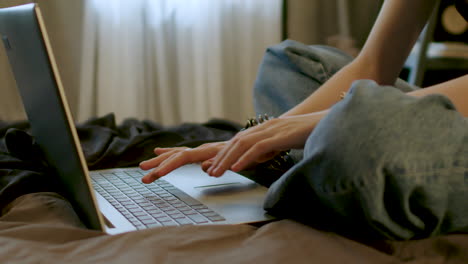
(281, 162)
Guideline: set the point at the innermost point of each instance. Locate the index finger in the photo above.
(179, 159)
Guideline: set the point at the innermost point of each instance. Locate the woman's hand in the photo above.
(262, 142)
(169, 159)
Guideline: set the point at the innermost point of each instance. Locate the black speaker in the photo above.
(451, 26)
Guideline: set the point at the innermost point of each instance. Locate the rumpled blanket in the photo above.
(37, 225)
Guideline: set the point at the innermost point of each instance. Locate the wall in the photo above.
(312, 21)
(63, 20)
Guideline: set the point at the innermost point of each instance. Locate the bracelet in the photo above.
(342, 95)
(281, 162)
(255, 121)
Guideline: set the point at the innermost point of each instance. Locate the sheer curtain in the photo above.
(174, 61)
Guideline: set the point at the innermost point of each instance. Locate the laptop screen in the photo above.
(29, 52)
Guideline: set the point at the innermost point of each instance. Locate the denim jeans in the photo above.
(291, 71)
(381, 164)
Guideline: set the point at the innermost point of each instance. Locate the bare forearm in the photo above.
(323, 98)
(456, 90)
(329, 93)
(391, 39)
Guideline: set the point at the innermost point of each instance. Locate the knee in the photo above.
(382, 123)
(290, 72)
(385, 158)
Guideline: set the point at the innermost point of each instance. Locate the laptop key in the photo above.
(177, 216)
(156, 224)
(189, 212)
(197, 218)
(140, 226)
(169, 223)
(157, 215)
(163, 218)
(209, 214)
(172, 200)
(216, 218)
(165, 207)
(139, 213)
(204, 210)
(183, 207)
(154, 211)
(148, 221)
(184, 221)
(199, 206)
(172, 212)
(144, 218)
(184, 197)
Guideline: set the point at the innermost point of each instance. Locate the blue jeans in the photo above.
(381, 164)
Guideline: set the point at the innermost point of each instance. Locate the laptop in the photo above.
(113, 200)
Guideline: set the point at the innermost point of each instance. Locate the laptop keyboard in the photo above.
(151, 205)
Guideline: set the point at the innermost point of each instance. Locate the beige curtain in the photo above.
(174, 61)
(198, 62)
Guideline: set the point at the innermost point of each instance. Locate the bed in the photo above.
(38, 225)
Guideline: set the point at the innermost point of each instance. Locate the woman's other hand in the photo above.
(262, 142)
(169, 159)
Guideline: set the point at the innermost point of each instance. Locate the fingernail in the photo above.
(145, 179)
(213, 172)
(210, 171)
(235, 167)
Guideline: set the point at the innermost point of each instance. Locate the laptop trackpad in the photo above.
(225, 188)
